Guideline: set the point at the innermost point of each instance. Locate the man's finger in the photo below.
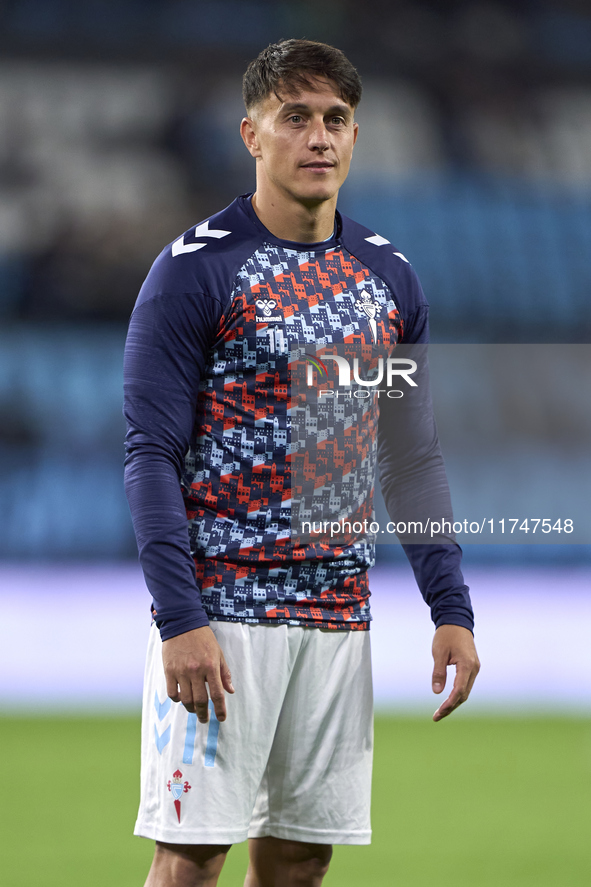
(446, 708)
(202, 711)
(172, 688)
(197, 700)
(459, 694)
(218, 697)
(439, 678)
(452, 702)
(186, 693)
(226, 677)
(440, 663)
(466, 674)
(463, 674)
(473, 677)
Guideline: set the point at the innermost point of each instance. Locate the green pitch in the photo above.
(470, 802)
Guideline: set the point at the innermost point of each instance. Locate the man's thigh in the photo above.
(317, 785)
(199, 781)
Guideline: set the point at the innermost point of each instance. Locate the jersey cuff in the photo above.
(461, 619)
(170, 628)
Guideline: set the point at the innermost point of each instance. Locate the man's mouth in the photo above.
(318, 164)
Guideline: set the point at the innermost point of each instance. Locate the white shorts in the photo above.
(293, 758)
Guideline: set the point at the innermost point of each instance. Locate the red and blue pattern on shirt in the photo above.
(239, 478)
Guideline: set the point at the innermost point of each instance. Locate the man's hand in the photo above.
(454, 645)
(192, 660)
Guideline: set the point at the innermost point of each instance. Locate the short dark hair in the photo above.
(296, 64)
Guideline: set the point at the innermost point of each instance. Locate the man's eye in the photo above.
(337, 121)
(295, 118)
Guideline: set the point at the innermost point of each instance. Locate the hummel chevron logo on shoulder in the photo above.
(203, 230)
(377, 240)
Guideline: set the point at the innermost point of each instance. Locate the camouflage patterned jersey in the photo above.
(224, 457)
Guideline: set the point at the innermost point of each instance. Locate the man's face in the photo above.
(302, 142)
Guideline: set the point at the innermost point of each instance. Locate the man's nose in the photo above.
(319, 136)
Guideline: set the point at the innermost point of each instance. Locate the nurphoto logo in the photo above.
(399, 368)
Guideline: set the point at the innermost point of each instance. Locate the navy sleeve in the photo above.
(165, 354)
(414, 481)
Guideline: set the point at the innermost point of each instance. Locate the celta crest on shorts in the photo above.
(177, 788)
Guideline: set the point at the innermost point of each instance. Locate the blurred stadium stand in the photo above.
(119, 129)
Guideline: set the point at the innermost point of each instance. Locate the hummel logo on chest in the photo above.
(265, 311)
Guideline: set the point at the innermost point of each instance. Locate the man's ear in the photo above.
(355, 132)
(249, 136)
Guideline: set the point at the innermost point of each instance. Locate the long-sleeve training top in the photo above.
(240, 436)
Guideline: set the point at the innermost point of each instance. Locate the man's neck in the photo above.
(295, 221)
